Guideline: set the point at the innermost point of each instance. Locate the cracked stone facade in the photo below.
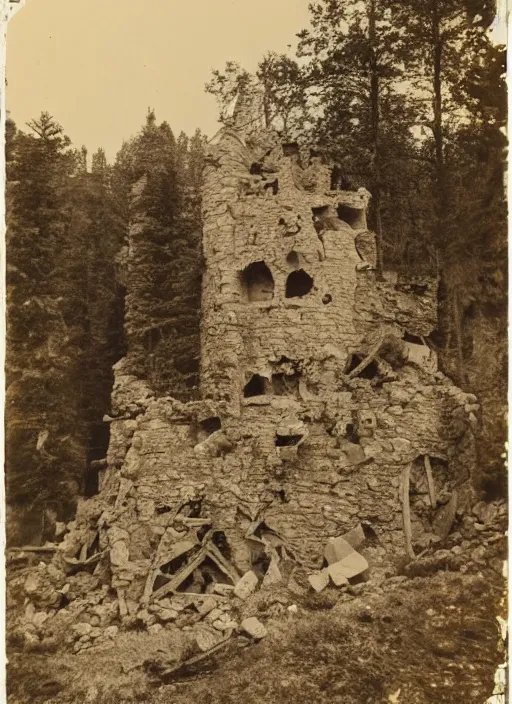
(321, 405)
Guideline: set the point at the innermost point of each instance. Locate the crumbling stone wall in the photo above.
(322, 409)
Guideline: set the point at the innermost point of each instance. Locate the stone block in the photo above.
(207, 606)
(351, 565)
(319, 580)
(336, 549)
(354, 453)
(207, 638)
(254, 627)
(273, 574)
(246, 585)
(337, 574)
(355, 537)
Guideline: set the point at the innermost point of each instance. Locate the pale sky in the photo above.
(97, 65)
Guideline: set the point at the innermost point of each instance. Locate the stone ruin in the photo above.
(326, 446)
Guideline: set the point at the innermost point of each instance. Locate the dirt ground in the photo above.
(422, 640)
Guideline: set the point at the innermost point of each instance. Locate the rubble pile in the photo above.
(74, 607)
(326, 447)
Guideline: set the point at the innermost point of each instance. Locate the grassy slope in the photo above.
(436, 639)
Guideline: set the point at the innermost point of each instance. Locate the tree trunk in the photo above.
(375, 129)
(437, 106)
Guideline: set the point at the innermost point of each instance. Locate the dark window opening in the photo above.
(419, 289)
(287, 440)
(256, 169)
(163, 508)
(211, 425)
(370, 535)
(351, 433)
(319, 215)
(260, 565)
(284, 384)
(298, 284)
(195, 508)
(415, 288)
(274, 185)
(99, 438)
(255, 386)
(283, 497)
(258, 282)
(221, 542)
(192, 509)
(352, 216)
(369, 372)
(205, 574)
(327, 299)
(175, 565)
(414, 339)
(291, 149)
(202, 531)
(292, 259)
(91, 480)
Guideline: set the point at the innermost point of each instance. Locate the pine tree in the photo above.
(163, 296)
(44, 449)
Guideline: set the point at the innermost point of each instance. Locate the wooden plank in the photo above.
(406, 510)
(83, 563)
(215, 554)
(430, 481)
(370, 357)
(181, 576)
(198, 664)
(35, 548)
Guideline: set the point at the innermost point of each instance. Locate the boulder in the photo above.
(246, 585)
(254, 628)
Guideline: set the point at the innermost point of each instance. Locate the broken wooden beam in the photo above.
(430, 481)
(406, 510)
(370, 357)
(35, 548)
(197, 665)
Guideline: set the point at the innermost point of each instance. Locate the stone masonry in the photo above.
(322, 409)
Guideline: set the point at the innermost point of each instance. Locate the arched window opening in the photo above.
(255, 386)
(293, 259)
(291, 149)
(352, 216)
(298, 284)
(258, 282)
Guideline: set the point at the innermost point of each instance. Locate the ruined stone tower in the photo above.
(322, 409)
